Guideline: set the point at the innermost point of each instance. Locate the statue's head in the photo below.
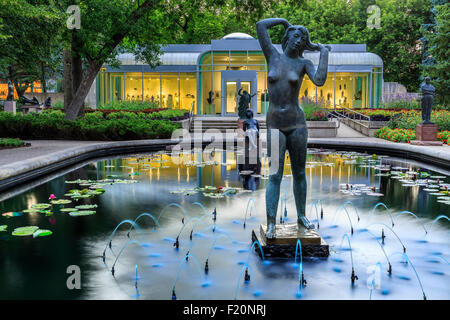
(249, 113)
(245, 92)
(297, 38)
(427, 80)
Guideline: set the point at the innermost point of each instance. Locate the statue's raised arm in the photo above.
(263, 35)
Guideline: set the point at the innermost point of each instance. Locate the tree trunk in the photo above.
(43, 84)
(77, 68)
(67, 65)
(73, 109)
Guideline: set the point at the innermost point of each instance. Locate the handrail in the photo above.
(335, 116)
(357, 114)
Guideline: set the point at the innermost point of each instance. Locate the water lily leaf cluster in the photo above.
(31, 231)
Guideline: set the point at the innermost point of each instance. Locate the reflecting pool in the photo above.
(396, 250)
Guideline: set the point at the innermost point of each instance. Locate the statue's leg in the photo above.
(297, 146)
(273, 187)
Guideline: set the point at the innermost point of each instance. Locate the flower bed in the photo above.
(396, 135)
(406, 135)
(444, 137)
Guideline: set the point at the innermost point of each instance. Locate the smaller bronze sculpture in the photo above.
(210, 99)
(10, 96)
(48, 102)
(33, 101)
(428, 92)
(251, 128)
(244, 101)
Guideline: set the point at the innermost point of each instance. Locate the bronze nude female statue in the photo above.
(285, 75)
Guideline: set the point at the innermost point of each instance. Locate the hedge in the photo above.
(50, 124)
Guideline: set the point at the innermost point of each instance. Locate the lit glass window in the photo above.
(188, 90)
(170, 92)
(152, 87)
(133, 86)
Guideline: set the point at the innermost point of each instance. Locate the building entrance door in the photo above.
(232, 82)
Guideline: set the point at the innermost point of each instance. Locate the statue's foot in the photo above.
(304, 222)
(271, 231)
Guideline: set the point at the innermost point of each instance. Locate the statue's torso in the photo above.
(284, 79)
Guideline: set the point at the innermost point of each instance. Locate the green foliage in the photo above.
(401, 104)
(31, 37)
(342, 21)
(438, 69)
(9, 142)
(131, 106)
(50, 124)
(409, 120)
(396, 135)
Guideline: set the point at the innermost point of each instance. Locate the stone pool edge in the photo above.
(22, 171)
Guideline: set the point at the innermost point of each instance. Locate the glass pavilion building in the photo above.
(208, 76)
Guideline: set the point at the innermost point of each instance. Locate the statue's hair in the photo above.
(309, 45)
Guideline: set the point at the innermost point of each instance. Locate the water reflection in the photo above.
(35, 268)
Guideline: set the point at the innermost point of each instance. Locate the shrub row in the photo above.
(10, 142)
(50, 124)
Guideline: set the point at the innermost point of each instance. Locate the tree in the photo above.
(438, 66)
(397, 41)
(30, 38)
(108, 27)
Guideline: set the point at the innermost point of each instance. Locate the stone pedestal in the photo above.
(10, 106)
(285, 241)
(426, 135)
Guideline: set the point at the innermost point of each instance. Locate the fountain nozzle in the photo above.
(190, 236)
(390, 269)
(382, 236)
(176, 244)
(285, 211)
(206, 267)
(187, 256)
(303, 280)
(128, 234)
(321, 213)
(174, 296)
(110, 245)
(281, 220)
(214, 214)
(246, 276)
(404, 249)
(112, 271)
(354, 276)
(244, 225)
(104, 256)
(182, 220)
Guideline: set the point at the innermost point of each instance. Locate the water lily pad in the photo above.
(25, 231)
(32, 210)
(68, 209)
(41, 206)
(42, 233)
(11, 214)
(61, 201)
(3, 227)
(81, 213)
(86, 206)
